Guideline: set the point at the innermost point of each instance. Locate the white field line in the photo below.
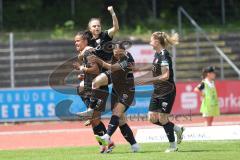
(53, 131)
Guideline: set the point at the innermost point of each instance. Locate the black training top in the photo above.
(98, 45)
(88, 78)
(160, 60)
(124, 77)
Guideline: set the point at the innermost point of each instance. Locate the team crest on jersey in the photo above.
(164, 105)
(98, 41)
(125, 96)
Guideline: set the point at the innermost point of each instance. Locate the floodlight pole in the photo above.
(223, 11)
(72, 8)
(11, 46)
(154, 9)
(1, 14)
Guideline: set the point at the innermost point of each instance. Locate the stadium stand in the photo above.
(35, 60)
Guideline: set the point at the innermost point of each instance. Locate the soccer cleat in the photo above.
(135, 147)
(105, 139)
(171, 149)
(180, 135)
(103, 149)
(86, 114)
(111, 146)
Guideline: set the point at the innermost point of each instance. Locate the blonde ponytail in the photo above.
(166, 40)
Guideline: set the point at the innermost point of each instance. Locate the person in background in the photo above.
(209, 107)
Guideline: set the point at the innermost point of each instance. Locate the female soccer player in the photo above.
(122, 93)
(97, 39)
(164, 87)
(209, 107)
(90, 97)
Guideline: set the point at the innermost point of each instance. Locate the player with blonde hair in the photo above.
(164, 87)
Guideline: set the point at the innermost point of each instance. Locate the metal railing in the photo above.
(12, 68)
(182, 11)
(8, 59)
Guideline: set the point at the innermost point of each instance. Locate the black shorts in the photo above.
(108, 74)
(124, 97)
(162, 104)
(122, 92)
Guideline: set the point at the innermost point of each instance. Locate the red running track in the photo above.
(62, 134)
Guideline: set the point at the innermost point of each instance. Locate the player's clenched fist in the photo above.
(110, 9)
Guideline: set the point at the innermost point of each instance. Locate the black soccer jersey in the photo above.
(123, 77)
(88, 78)
(98, 44)
(160, 60)
(123, 82)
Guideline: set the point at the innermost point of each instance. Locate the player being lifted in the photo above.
(121, 76)
(97, 37)
(164, 87)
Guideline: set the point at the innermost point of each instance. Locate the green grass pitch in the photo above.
(209, 150)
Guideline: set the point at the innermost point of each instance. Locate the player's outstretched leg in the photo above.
(161, 119)
(100, 130)
(115, 122)
(112, 126)
(128, 134)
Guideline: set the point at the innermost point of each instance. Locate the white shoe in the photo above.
(180, 135)
(86, 114)
(135, 147)
(171, 149)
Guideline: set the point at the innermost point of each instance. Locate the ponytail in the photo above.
(166, 40)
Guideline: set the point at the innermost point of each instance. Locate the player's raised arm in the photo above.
(112, 31)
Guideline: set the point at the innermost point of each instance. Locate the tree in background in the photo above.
(46, 14)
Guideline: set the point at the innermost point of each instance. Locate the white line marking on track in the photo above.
(53, 131)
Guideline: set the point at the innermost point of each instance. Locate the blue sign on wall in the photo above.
(36, 104)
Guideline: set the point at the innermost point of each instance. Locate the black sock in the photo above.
(113, 125)
(169, 131)
(100, 130)
(127, 134)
